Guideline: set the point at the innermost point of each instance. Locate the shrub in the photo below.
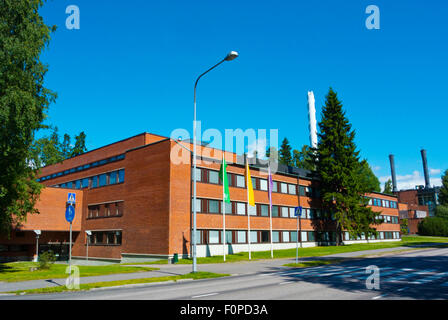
(46, 259)
(433, 226)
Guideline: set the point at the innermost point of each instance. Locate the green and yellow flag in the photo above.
(224, 179)
(250, 189)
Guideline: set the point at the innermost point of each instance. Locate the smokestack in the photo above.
(312, 120)
(392, 171)
(425, 169)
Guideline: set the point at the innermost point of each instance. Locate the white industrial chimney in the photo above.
(312, 120)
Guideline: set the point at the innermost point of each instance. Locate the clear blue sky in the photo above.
(131, 68)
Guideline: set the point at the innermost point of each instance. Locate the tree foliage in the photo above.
(23, 103)
(49, 150)
(388, 187)
(303, 158)
(284, 154)
(443, 194)
(338, 167)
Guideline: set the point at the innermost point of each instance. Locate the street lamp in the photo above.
(89, 233)
(37, 232)
(229, 57)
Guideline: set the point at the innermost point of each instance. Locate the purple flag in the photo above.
(271, 184)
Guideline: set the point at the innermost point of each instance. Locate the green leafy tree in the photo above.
(65, 147)
(388, 188)
(442, 212)
(367, 178)
(443, 194)
(337, 165)
(23, 103)
(404, 226)
(80, 145)
(284, 153)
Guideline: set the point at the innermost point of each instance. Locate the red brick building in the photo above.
(135, 197)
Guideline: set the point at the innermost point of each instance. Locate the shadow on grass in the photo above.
(7, 269)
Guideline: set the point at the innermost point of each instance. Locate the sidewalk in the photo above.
(235, 268)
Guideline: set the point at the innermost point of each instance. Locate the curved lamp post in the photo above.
(230, 56)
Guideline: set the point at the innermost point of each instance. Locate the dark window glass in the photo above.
(94, 181)
(85, 183)
(118, 237)
(121, 175)
(113, 177)
(78, 184)
(103, 180)
(264, 236)
(275, 211)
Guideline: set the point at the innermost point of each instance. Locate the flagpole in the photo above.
(248, 215)
(223, 209)
(270, 211)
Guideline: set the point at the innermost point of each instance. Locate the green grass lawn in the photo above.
(88, 286)
(407, 241)
(19, 271)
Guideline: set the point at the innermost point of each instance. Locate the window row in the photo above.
(260, 236)
(383, 203)
(263, 236)
(389, 219)
(239, 181)
(82, 168)
(381, 236)
(105, 210)
(260, 210)
(105, 238)
(100, 180)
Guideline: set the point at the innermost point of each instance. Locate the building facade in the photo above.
(135, 198)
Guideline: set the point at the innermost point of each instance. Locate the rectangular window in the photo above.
(228, 207)
(213, 177)
(198, 174)
(254, 183)
(241, 208)
(121, 175)
(102, 180)
(274, 186)
(113, 177)
(213, 206)
(283, 187)
(263, 185)
(94, 182)
(199, 234)
(228, 236)
(304, 236)
(198, 205)
(302, 191)
(275, 211)
(78, 184)
(285, 236)
(292, 211)
(311, 236)
(85, 183)
(241, 236)
(293, 236)
(264, 236)
(275, 236)
(292, 189)
(254, 236)
(264, 210)
(285, 212)
(253, 210)
(213, 236)
(240, 181)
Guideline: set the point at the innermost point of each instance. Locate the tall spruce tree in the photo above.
(23, 103)
(285, 153)
(337, 165)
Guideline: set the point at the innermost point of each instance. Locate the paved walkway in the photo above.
(246, 267)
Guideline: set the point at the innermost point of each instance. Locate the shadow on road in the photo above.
(423, 277)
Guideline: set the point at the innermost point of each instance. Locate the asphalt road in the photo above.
(414, 275)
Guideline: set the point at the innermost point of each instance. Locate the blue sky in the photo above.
(131, 68)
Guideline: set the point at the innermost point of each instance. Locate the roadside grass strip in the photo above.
(20, 271)
(96, 285)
